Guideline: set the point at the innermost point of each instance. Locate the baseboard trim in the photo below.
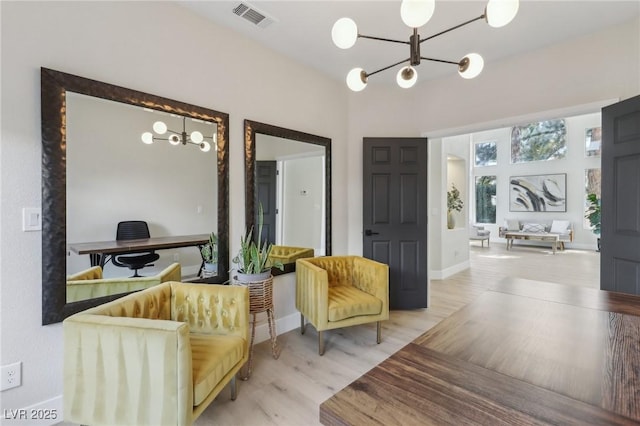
(45, 413)
(446, 273)
(283, 325)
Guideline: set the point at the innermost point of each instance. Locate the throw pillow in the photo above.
(560, 226)
(535, 228)
(512, 225)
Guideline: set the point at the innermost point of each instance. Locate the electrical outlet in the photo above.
(176, 257)
(10, 376)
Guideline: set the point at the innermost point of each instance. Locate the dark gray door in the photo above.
(620, 229)
(266, 194)
(395, 215)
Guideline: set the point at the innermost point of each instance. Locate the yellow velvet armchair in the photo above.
(289, 254)
(341, 291)
(155, 357)
(89, 284)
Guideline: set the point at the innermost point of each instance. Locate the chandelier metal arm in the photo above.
(386, 68)
(382, 39)
(454, 28)
(440, 60)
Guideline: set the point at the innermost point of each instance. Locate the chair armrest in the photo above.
(89, 289)
(107, 376)
(93, 273)
(212, 308)
(371, 277)
(312, 292)
(172, 272)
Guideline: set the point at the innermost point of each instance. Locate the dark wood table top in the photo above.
(123, 246)
(524, 352)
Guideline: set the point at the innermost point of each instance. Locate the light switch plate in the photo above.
(31, 219)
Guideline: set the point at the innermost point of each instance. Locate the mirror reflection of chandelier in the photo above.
(416, 13)
(177, 138)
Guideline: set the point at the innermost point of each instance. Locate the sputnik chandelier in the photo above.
(416, 13)
(177, 138)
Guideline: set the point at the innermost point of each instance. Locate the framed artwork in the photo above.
(592, 142)
(538, 193)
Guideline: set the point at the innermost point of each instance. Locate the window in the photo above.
(592, 141)
(486, 154)
(592, 186)
(542, 141)
(485, 199)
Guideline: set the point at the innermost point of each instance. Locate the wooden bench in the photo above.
(554, 239)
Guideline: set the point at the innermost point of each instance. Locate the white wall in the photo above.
(452, 254)
(129, 44)
(303, 196)
(574, 165)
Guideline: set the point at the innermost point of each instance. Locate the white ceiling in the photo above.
(302, 30)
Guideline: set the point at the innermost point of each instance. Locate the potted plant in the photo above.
(593, 215)
(454, 203)
(252, 260)
(209, 253)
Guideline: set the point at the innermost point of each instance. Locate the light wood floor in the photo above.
(289, 391)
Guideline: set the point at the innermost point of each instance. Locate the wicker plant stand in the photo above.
(261, 300)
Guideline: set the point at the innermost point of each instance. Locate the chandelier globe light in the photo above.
(470, 66)
(416, 13)
(357, 79)
(344, 33)
(499, 13)
(407, 77)
(177, 138)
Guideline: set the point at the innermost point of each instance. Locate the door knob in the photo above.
(369, 232)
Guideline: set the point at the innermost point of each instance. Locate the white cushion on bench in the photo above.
(512, 225)
(560, 226)
(533, 227)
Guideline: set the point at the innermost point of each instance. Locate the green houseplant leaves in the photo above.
(253, 258)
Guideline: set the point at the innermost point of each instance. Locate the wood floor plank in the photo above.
(592, 298)
(427, 387)
(506, 358)
(311, 379)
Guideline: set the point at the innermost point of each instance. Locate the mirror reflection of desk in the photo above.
(100, 251)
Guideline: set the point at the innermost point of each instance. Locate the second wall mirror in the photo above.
(289, 173)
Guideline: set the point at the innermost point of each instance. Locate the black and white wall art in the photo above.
(538, 193)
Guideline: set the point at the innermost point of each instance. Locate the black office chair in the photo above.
(134, 230)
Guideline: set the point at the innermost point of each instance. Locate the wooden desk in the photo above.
(99, 251)
(524, 352)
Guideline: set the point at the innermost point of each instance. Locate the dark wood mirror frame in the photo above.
(54, 85)
(250, 130)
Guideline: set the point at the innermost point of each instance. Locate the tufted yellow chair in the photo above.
(288, 254)
(89, 284)
(156, 357)
(341, 291)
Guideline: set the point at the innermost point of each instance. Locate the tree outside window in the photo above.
(485, 199)
(593, 185)
(542, 141)
(486, 154)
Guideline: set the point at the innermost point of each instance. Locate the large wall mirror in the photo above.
(99, 170)
(289, 174)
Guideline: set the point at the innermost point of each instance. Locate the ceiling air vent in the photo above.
(252, 15)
